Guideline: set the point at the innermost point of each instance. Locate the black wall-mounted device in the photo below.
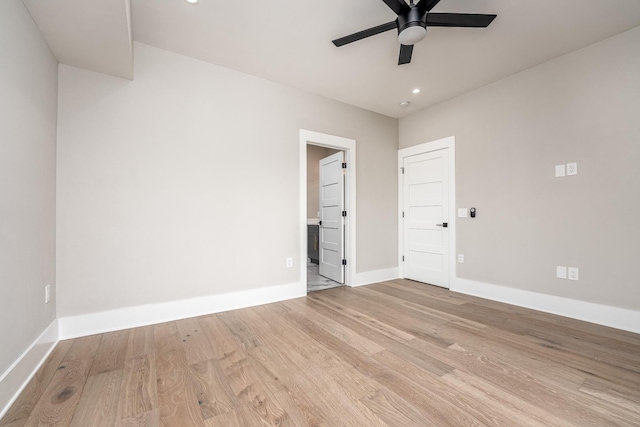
(472, 211)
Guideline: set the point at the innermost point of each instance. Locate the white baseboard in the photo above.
(142, 315)
(615, 317)
(16, 378)
(375, 276)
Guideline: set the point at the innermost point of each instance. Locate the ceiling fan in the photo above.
(412, 22)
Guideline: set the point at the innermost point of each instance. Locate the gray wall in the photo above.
(583, 107)
(185, 182)
(28, 88)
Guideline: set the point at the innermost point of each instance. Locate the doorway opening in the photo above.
(324, 270)
(334, 240)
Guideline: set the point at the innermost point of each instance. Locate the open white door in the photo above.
(426, 216)
(331, 219)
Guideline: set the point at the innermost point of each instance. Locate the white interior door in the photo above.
(331, 219)
(425, 222)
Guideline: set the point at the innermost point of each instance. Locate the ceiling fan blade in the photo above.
(427, 5)
(365, 33)
(398, 6)
(475, 20)
(405, 54)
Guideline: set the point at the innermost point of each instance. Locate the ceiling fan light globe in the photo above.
(412, 35)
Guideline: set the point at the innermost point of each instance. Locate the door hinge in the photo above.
(344, 213)
(319, 222)
(402, 169)
(344, 165)
(402, 214)
(402, 258)
(344, 262)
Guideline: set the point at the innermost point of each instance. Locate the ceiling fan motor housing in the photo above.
(415, 24)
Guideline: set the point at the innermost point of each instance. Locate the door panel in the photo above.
(331, 219)
(426, 207)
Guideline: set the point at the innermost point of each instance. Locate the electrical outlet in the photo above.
(289, 262)
(572, 169)
(573, 273)
(561, 272)
(560, 171)
(47, 294)
(461, 258)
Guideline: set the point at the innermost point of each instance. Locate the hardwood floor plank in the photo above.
(243, 416)
(394, 410)
(215, 397)
(83, 348)
(177, 397)
(562, 403)
(364, 319)
(167, 339)
(146, 419)
(197, 347)
(98, 403)
(59, 401)
(286, 380)
(296, 332)
(458, 395)
(501, 345)
(250, 390)
(244, 333)
(345, 334)
(138, 392)
(416, 351)
(111, 352)
(221, 340)
(447, 317)
(611, 392)
(435, 292)
(57, 404)
(228, 419)
(416, 324)
(141, 341)
(498, 406)
(444, 412)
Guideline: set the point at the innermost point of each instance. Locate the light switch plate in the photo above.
(462, 212)
(461, 259)
(560, 171)
(572, 169)
(561, 272)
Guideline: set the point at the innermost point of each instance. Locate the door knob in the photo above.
(444, 225)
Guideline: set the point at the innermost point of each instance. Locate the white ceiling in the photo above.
(94, 35)
(290, 42)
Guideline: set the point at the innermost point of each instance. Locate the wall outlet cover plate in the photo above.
(462, 212)
(560, 171)
(573, 273)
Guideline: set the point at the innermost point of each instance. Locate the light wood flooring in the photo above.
(396, 353)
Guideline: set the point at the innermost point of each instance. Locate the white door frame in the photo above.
(349, 147)
(450, 143)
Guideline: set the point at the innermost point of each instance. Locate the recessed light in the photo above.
(404, 104)
(192, 1)
(416, 90)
